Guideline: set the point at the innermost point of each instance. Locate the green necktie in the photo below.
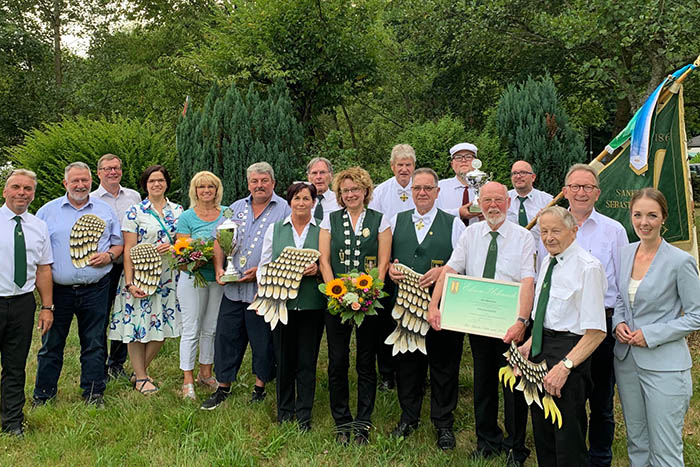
(318, 212)
(538, 325)
(490, 265)
(20, 254)
(522, 215)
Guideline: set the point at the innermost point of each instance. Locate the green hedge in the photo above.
(49, 149)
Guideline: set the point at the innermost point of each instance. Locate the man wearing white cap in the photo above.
(455, 195)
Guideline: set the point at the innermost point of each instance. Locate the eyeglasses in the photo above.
(427, 189)
(157, 180)
(587, 188)
(520, 173)
(492, 200)
(302, 181)
(353, 191)
(462, 158)
(111, 169)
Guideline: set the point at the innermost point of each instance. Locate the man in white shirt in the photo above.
(119, 198)
(455, 195)
(568, 325)
(27, 251)
(525, 200)
(495, 249)
(390, 198)
(604, 238)
(319, 171)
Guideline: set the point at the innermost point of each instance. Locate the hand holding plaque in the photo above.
(227, 235)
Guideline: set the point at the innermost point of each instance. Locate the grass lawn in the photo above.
(163, 430)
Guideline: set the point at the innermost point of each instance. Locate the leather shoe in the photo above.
(480, 453)
(446, 439)
(304, 426)
(387, 385)
(361, 437)
(404, 429)
(342, 438)
(17, 432)
(511, 461)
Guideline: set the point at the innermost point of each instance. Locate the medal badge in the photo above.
(365, 232)
(242, 261)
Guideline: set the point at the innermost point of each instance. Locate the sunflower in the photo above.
(336, 288)
(182, 243)
(364, 281)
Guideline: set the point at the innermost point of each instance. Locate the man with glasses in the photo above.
(423, 239)
(602, 237)
(525, 201)
(501, 250)
(109, 171)
(455, 195)
(319, 171)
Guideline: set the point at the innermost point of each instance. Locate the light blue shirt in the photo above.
(251, 241)
(60, 216)
(190, 224)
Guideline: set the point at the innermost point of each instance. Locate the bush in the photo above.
(138, 144)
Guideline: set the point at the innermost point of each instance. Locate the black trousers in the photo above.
(488, 359)
(444, 357)
(235, 326)
(16, 324)
(601, 429)
(296, 348)
(117, 349)
(338, 336)
(386, 362)
(565, 446)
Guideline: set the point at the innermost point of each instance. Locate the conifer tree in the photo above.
(535, 127)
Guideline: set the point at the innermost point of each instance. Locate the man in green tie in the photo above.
(501, 250)
(26, 241)
(525, 200)
(568, 325)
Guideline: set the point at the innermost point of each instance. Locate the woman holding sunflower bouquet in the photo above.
(297, 342)
(353, 240)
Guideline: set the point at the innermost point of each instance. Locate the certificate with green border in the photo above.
(479, 306)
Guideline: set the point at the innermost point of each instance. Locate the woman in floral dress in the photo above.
(144, 321)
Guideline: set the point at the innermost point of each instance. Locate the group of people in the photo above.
(597, 309)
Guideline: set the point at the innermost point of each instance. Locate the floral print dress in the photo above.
(155, 317)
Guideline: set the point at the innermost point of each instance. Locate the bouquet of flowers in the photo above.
(354, 295)
(190, 254)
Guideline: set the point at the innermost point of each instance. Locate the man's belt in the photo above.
(552, 333)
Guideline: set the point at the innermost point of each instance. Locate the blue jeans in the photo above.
(90, 305)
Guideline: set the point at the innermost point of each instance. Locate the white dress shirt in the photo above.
(604, 238)
(535, 202)
(516, 252)
(37, 244)
(329, 203)
(299, 239)
(576, 293)
(124, 200)
(450, 197)
(427, 220)
(390, 198)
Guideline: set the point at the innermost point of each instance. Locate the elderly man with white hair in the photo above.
(319, 172)
(237, 325)
(455, 195)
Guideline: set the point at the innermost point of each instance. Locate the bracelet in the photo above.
(126, 287)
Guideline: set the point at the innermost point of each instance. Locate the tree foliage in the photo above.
(139, 144)
(232, 131)
(535, 128)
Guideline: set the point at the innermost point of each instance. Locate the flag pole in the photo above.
(596, 163)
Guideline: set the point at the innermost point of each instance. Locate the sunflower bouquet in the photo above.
(190, 254)
(354, 295)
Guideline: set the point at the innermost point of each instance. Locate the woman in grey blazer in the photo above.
(658, 305)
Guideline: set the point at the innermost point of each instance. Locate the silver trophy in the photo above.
(227, 235)
(476, 179)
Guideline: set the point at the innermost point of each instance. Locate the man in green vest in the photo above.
(423, 239)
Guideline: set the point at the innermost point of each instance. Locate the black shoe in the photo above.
(403, 429)
(361, 437)
(480, 453)
(258, 396)
(446, 439)
(511, 461)
(305, 426)
(387, 385)
(216, 399)
(16, 432)
(115, 372)
(342, 438)
(95, 399)
(39, 402)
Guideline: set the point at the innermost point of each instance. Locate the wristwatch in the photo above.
(525, 321)
(568, 364)
(50, 308)
(111, 256)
